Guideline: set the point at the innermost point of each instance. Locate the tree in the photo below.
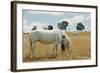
(80, 27)
(63, 25)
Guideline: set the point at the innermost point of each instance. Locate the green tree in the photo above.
(80, 27)
(63, 25)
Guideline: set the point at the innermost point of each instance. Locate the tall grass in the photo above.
(80, 49)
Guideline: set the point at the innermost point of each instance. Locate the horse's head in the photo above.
(65, 43)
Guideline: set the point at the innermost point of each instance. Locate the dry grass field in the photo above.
(80, 49)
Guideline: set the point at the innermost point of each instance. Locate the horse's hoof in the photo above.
(31, 57)
(52, 55)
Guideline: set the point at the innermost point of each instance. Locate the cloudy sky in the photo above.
(44, 18)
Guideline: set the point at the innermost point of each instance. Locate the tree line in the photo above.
(64, 24)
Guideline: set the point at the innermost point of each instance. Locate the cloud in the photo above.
(45, 12)
(28, 27)
(88, 17)
(25, 21)
(74, 19)
(38, 24)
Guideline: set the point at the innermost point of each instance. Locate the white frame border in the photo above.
(50, 64)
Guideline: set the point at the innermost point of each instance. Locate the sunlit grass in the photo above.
(80, 48)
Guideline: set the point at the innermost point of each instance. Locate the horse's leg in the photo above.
(57, 44)
(54, 51)
(32, 49)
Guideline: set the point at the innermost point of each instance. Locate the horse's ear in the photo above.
(63, 36)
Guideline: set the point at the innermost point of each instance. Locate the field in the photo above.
(80, 49)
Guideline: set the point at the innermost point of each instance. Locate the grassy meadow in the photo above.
(80, 49)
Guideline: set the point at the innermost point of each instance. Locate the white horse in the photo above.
(54, 37)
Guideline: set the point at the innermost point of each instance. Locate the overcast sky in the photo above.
(45, 18)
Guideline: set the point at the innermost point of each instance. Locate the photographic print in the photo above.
(53, 36)
(76, 25)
